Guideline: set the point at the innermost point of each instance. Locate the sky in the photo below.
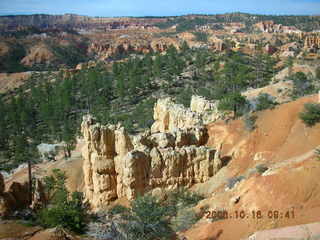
(109, 8)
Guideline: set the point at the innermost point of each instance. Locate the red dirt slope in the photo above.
(284, 144)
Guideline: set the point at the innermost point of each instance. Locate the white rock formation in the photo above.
(49, 151)
(113, 169)
(207, 109)
(169, 116)
(171, 155)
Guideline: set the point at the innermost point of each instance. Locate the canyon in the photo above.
(75, 21)
(119, 152)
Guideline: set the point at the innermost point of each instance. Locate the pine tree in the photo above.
(120, 86)
(68, 137)
(233, 102)
(185, 47)
(157, 65)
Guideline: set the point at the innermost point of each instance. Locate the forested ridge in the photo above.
(186, 23)
(64, 56)
(49, 106)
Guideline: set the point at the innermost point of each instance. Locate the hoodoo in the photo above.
(172, 155)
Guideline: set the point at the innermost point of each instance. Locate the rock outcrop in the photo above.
(271, 27)
(86, 65)
(3, 198)
(106, 50)
(169, 116)
(104, 146)
(129, 44)
(312, 41)
(50, 151)
(162, 44)
(172, 155)
(39, 196)
(280, 92)
(217, 44)
(38, 54)
(207, 109)
(10, 81)
(74, 21)
(15, 196)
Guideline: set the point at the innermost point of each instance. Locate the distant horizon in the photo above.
(156, 16)
(164, 8)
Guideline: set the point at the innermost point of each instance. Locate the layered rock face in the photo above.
(269, 26)
(39, 54)
(14, 198)
(3, 198)
(126, 45)
(104, 150)
(75, 21)
(217, 43)
(169, 116)
(171, 155)
(312, 41)
(208, 110)
(106, 50)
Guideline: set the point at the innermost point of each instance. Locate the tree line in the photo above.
(49, 107)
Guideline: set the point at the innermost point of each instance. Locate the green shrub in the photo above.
(302, 85)
(10, 62)
(143, 113)
(317, 152)
(311, 114)
(261, 168)
(70, 55)
(201, 36)
(318, 73)
(249, 122)
(64, 210)
(152, 219)
(184, 219)
(149, 220)
(55, 185)
(118, 209)
(184, 97)
(265, 101)
(68, 214)
(182, 198)
(233, 102)
(206, 92)
(233, 181)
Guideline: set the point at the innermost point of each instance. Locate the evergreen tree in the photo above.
(185, 47)
(233, 102)
(157, 65)
(121, 86)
